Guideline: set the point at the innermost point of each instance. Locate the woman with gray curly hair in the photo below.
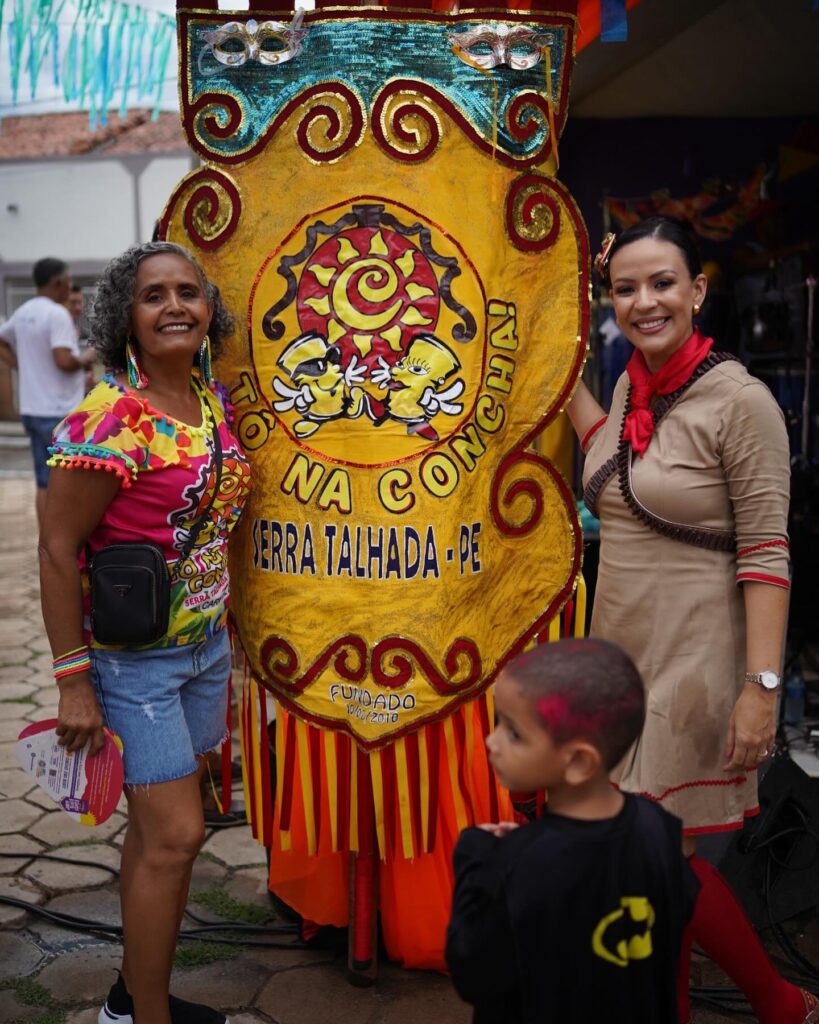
(172, 476)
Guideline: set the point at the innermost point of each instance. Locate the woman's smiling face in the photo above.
(171, 314)
(654, 297)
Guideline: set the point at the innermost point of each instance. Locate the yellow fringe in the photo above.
(328, 742)
(285, 838)
(247, 748)
(404, 806)
(423, 782)
(378, 801)
(308, 792)
(580, 607)
(452, 760)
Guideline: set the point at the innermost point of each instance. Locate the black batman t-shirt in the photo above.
(572, 921)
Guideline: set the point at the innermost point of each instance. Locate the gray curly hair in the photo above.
(111, 314)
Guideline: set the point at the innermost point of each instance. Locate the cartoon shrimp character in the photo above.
(414, 382)
(323, 390)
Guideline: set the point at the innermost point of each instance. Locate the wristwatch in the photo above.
(768, 680)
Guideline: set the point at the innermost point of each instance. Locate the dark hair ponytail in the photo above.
(664, 229)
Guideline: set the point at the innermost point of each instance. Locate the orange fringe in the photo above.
(407, 802)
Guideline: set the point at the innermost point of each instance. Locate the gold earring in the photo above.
(697, 308)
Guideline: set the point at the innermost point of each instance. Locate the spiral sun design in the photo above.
(369, 290)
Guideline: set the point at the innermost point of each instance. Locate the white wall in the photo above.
(82, 209)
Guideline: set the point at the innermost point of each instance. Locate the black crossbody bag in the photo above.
(131, 585)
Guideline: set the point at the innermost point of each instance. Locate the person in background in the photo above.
(40, 340)
(546, 917)
(689, 476)
(75, 306)
(148, 456)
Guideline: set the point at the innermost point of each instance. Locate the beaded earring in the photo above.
(136, 375)
(205, 368)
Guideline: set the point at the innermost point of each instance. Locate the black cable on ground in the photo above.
(201, 934)
(210, 931)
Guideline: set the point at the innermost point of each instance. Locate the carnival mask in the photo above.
(268, 42)
(516, 46)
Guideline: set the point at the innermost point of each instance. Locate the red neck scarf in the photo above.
(645, 385)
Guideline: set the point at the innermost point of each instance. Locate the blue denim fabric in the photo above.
(39, 430)
(167, 705)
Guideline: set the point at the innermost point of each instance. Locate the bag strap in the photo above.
(620, 464)
(196, 529)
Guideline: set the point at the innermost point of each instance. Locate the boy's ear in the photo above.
(583, 762)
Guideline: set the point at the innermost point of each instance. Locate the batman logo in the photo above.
(625, 933)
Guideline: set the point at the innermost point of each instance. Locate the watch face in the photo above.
(770, 680)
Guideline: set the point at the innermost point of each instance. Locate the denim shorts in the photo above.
(168, 705)
(39, 430)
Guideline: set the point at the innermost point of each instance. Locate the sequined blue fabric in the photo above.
(365, 55)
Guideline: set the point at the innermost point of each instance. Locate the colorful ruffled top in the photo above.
(168, 473)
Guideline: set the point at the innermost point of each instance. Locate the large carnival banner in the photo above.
(378, 204)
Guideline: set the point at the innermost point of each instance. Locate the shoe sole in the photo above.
(107, 1017)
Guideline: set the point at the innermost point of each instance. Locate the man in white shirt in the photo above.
(41, 341)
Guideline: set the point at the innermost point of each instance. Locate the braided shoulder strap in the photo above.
(621, 463)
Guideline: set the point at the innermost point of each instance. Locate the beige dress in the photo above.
(718, 459)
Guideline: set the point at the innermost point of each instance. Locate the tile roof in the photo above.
(48, 135)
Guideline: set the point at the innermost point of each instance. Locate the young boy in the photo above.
(578, 916)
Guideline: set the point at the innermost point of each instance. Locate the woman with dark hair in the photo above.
(689, 474)
(157, 427)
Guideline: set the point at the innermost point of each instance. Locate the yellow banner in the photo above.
(411, 283)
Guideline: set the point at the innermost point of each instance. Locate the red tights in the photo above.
(721, 929)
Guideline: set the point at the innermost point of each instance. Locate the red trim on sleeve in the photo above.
(761, 577)
(591, 432)
(759, 547)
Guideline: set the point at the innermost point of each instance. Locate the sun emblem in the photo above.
(370, 291)
(368, 340)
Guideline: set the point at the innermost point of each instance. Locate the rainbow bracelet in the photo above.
(71, 663)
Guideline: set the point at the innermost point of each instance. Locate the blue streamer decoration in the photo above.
(613, 21)
(102, 54)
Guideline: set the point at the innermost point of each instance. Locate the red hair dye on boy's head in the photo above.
(584, 689)
(565, 722)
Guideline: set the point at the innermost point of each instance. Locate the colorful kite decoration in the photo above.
(717, 212)
(378, 202)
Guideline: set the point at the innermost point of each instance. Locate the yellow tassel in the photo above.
(257, 764)
(247, 751)
(469, 712)
(285, 838)
(328, 742)
(554, 629)
(580, 607)
(452, 760)
(378, 802)
(404, 808)
(423, 782)
(490, 706)
(307, 783)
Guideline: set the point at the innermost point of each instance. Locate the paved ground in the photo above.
(51, 975)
